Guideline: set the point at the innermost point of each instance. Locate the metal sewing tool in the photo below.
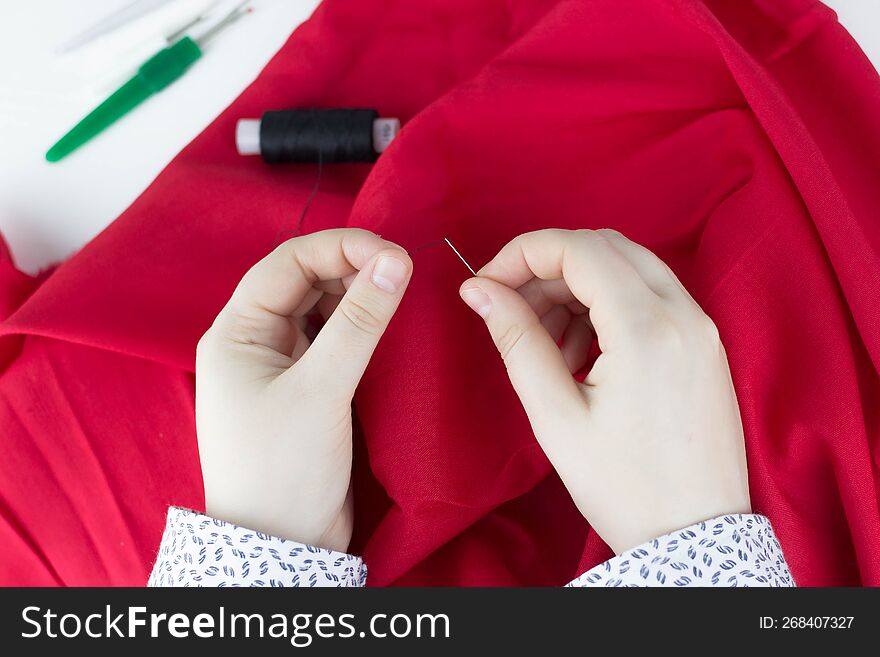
(454, 250)
(460, 257)
(163, 68)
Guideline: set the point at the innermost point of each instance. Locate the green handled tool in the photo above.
(163, 68)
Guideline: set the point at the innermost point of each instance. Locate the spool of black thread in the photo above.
(316, 135)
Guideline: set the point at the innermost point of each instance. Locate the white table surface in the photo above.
(49, 211)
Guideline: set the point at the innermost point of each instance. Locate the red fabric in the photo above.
(739, 139)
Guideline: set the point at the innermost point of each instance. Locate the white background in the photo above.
(49, 211)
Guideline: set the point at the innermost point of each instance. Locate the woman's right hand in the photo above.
(652, 441)
(273, 408)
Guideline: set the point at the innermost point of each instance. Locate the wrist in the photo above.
(334, 534)
(639, 530)
(338, 535)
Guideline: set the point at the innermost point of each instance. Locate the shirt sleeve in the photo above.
(735, 550)
(197, 550)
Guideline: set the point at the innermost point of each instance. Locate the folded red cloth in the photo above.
(738, 140)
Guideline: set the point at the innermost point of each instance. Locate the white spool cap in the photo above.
(384, 132)
(247, 136)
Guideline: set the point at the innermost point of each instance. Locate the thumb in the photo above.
(345, 344)
(534, 363)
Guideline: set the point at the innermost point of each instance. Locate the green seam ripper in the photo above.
(154, 75)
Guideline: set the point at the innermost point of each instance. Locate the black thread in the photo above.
(285, 234)
(315, 187)
(318, 135)
(422, 246)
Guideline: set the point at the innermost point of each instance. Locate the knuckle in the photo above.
(655, 327)
(709, 331)
(664, 332)
(246, 282)
(361, 232)
(609, 233)
(669, 332)
(362, 316)
(210, 347)
(237, 326)
(205, 343)
(509, 338)
(540, 232)
(595, 239)
(287, 250)
(538, 235)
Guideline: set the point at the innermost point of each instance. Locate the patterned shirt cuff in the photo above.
(736, 550)
(197, 550)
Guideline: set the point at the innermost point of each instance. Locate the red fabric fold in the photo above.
(738, 140)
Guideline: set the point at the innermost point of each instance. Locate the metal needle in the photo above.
(227, 19)
(470, 269)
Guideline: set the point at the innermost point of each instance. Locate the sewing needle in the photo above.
(470, 269)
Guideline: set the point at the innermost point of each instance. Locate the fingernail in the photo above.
(478, 301)
(388, 274)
